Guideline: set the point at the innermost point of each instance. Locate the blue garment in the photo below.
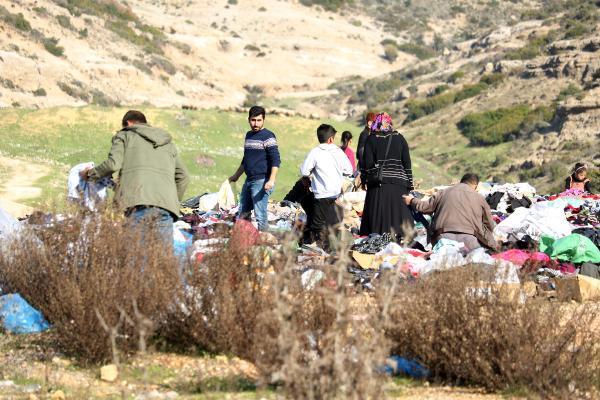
(255, 197)
(260, 154)
(161, 218)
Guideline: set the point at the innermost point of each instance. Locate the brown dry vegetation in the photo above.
(325, 342)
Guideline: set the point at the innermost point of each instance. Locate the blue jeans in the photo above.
(158, 217)
(255, 197)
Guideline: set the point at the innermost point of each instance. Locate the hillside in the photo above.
(76, 52)
(517, 103)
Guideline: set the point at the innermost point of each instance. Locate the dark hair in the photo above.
(324, 132)
(579, 167)
(346, 136)
(470, 178)
(370, 117)
(255, 111)
(133, 116)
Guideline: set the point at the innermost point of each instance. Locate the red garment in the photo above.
(350, 155)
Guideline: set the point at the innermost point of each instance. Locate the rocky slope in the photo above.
(203, 53)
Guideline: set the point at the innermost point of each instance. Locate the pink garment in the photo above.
(541, 257)
(515, 256)
(350, 155)
(520, 257)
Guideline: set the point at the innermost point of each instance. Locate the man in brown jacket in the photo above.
(460, 214)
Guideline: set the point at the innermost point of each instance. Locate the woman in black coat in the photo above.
(384, 210)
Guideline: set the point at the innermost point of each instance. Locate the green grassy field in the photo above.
(63, 137)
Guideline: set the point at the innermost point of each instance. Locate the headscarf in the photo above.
(383, 123)
(579, 167)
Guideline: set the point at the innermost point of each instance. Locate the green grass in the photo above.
(64, 137)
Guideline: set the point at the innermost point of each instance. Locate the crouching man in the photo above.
(460, 214)
(326, 166)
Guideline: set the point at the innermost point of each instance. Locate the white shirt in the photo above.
(327, 164)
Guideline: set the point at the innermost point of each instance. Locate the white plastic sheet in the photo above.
(90, 194)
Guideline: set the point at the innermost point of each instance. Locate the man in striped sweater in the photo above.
(260, 163)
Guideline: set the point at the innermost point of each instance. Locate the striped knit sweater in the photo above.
(397, 165)
(260, 154)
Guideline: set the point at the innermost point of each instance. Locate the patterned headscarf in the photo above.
(383, 123)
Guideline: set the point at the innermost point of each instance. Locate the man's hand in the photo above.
(84, 173)
(233, 179)
(269, 185)
(407, 199)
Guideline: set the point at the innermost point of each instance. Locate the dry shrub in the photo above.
(219, 309)
(468, 332)
(326, 342)
(89, 271)
(313, 343)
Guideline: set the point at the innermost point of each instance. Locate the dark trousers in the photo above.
(326, 215)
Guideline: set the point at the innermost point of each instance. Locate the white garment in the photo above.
(540, 219)
(327, 164)
(8, 224)
(88, 193)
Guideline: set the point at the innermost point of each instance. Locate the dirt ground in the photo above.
(18, 183)
(30, 368)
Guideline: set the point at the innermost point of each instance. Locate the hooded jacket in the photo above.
(150, 170)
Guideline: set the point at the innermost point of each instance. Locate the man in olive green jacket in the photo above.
(152, 178)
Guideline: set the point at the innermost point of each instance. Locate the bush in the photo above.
(531, 50)
(51, 45)
(455, 76)
(307, 341)
(469, 91)
(493, 127)
(420, 108)
(471, 332)
(251, 47)
(329, 5)
(492, 79)
(18, 21)
(390, 53)
(162, 63)
(421, 52)
(122, 29)
(90, 271)
(64, 21)
(39, 92)
(440, 89)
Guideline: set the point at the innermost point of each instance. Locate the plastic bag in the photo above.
(574, 248)
(19, 317)
(208, 202)
(225, 197)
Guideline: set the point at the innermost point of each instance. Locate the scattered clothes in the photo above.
(311, 278)
(90, 194)
(396, 365)
(520, 257)
(374, 243)
(574, 248)
(536, 221)
(19, 317)
(591, 233)
(244, 235)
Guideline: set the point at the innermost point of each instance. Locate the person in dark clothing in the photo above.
(301, 194)
(260, 164)
(384, 210)
(578, 179)
(362, 139)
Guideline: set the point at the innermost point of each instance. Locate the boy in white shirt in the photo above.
(326, 166)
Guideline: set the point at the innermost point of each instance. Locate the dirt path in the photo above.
(17, 183)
